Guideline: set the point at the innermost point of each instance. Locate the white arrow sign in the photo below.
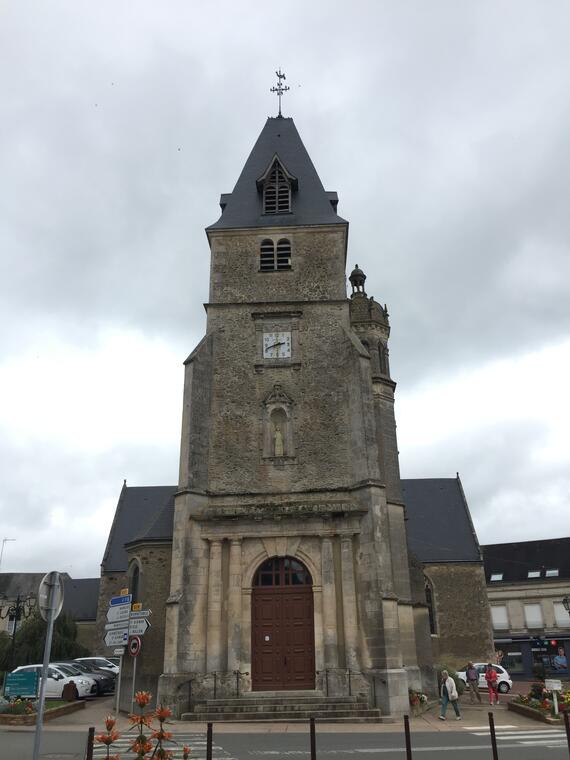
(121, 625)
(114, 638)
(140, 614)
(119, 612)
(138, 627)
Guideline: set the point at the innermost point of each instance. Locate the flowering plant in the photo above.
(143, 745)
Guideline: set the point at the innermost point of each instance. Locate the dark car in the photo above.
(104, 680)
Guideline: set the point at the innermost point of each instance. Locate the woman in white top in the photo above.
(448, 694)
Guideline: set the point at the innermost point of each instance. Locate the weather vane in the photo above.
(280, 89)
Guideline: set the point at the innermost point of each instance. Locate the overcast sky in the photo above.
(443, 126)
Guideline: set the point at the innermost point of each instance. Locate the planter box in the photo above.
(30, 720)
(530, 712)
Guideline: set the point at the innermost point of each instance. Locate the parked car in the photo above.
(57, 679)
(503, 678)
(102, 663)
(104, 680)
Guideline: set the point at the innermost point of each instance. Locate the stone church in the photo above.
(291, 556)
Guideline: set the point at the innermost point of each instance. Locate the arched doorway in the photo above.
(282, 626)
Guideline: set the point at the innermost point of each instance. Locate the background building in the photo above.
(527, 583)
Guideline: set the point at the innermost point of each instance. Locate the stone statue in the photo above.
(278, 442)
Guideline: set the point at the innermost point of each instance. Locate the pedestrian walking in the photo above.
(448, 694)
(472, 675)
(493, 684)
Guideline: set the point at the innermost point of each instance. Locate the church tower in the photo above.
(289, 554)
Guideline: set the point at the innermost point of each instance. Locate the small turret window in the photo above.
(272, 258)
(277, 192)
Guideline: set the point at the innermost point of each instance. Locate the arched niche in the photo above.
(278, 425)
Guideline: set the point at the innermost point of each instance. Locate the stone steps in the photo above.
(277, 707)
(323, 716)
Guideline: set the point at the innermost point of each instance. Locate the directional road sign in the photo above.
(120, 625)
(120, 651)
(138, 627)
(125, 599)
(140, 614)
(119, 612)
(115, 638)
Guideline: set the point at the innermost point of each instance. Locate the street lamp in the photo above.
(4, 542)
(21, 609)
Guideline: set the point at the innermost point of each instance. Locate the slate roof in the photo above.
(439, 524)
(25, 584)
(515, 560)
(310, 204)
(80, 597)
(142, 512)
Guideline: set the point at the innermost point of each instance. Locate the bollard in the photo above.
(209, 742)
(493, 737)
(408, 738)
(90, 740)
(313, 739)
(567, 724)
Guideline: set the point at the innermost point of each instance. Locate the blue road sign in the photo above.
(21, 684)
(127, 599)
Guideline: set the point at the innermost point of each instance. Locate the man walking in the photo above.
(472, 676)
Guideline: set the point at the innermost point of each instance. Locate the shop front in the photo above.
(532, 657)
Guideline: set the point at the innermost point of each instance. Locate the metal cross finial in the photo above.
(280, 89)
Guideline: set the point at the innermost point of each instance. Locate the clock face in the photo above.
(276, 345)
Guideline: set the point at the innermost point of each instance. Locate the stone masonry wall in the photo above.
(154, 583)
(463, 620)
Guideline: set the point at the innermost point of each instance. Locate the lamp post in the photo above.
(4, 542)
(21, 609)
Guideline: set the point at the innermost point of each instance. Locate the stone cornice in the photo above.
(278, 511)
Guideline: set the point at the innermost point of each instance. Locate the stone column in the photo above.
(234, 606)
(329, 604)
(214, 627)
(349, 602)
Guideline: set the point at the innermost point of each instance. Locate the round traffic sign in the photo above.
(134, 645)
(50, 595)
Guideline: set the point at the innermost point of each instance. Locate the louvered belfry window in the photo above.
(272, 258)
(277, 192)
(284, 254)
(267, 256)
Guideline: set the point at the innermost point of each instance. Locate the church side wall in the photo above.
(463, 620)
(109, 586)
(154, 581)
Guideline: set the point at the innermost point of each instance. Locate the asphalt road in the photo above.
(541, 743)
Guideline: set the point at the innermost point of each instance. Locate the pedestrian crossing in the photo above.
(196, 742)
(533, 737)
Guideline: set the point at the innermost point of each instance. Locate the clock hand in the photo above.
(281, 343)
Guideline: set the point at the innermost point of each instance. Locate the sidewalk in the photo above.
(97, 710)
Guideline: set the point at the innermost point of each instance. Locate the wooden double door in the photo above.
(283, 636)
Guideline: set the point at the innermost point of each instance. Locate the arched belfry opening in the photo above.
(282, 626)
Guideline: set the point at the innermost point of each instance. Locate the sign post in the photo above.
(554, 685)
(126, 623)
(134, 649)
(50, 600)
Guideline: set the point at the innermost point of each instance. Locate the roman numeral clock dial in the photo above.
(276, 345)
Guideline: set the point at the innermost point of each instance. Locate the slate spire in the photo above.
(310, 203)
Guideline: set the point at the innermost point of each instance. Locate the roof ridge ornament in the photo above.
(280, 89)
